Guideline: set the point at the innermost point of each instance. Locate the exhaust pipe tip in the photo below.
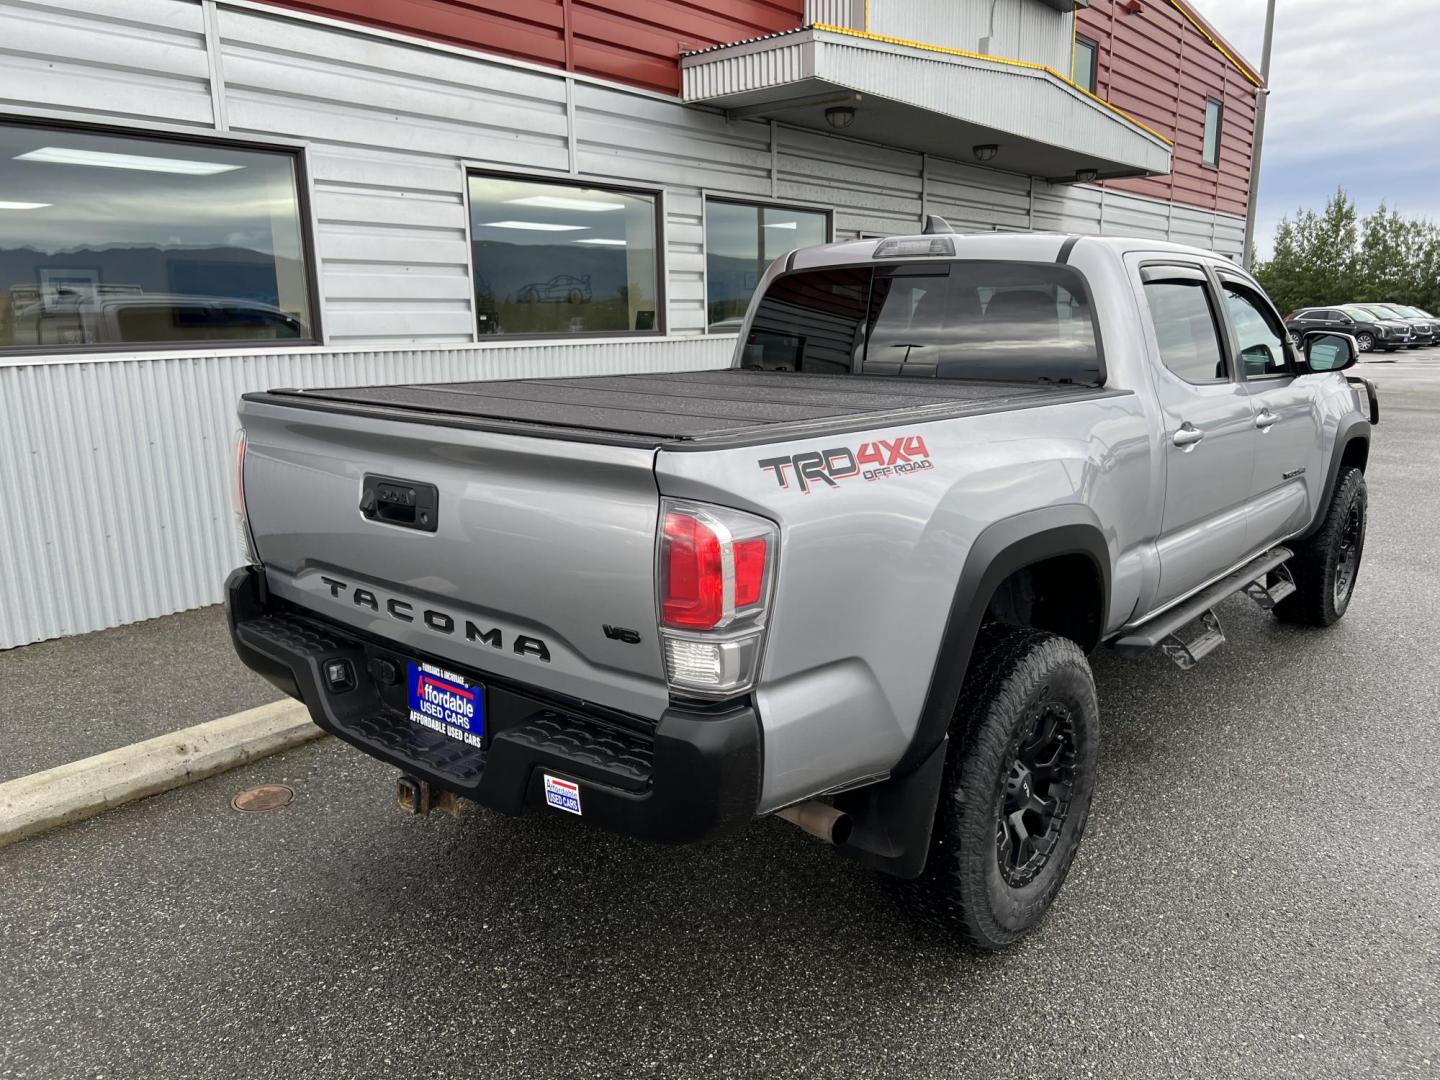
(820, 820)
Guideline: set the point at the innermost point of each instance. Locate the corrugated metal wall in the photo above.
(120, 465)
(632, 42)
(115, 473)
(849, 13)
(1016, 29)
(1158, 66)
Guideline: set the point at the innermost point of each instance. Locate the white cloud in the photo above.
(1355, 101)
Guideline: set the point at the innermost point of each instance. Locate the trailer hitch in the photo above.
(416, 796)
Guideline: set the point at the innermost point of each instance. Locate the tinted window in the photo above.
(113, 239)
(1087, 55)
(562, 259)
(1186, 331)
(1262, 340)
(963, 320)
(1214, 114)
(811, 322)
(741, 240)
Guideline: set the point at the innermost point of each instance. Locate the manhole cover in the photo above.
(265, 797)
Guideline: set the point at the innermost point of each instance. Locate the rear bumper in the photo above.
(690, 776)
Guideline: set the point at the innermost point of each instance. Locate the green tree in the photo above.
(1335, 257)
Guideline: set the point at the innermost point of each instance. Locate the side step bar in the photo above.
(1171, 631)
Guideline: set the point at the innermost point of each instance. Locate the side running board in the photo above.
(1192, 631)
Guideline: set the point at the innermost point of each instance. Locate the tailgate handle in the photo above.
(400, 502)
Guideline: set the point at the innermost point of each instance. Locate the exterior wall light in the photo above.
(985, 151)
(840, 116)
(1086, 176)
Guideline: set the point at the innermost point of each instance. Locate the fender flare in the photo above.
(1353, 429)
(1004, 547)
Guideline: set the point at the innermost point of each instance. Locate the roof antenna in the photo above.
(934, 223)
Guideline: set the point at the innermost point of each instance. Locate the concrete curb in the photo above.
(32, 804)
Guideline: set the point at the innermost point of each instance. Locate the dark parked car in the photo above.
(1427, 330)
(1369, 330)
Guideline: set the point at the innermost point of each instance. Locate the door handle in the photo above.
(1187, 436)
(1266, 420)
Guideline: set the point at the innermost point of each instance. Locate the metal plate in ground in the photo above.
(257, 800)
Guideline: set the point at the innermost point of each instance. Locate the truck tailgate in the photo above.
(539, 546)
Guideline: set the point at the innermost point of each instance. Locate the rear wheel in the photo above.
(1326, 564)
(1016, 790)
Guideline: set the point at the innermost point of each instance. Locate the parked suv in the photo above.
(1424, 326)
(1369, 330)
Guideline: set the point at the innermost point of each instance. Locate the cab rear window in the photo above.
(980, 321)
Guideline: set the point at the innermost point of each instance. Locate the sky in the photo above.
(1355, 102)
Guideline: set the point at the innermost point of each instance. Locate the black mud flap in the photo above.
(892, 821)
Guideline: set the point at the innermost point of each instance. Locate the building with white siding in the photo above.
(204, 197)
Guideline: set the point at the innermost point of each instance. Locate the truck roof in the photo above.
(1021, 247)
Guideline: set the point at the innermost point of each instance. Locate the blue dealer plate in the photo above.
(448, 703)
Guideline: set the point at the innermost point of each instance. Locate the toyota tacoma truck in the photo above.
(852, 580)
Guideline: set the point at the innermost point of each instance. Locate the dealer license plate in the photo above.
(448, 703)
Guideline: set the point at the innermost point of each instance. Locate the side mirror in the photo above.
(1330, 352)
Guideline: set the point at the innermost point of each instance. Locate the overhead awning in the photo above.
(926, 98)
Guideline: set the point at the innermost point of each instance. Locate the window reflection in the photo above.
(562, 259)
(1013, 322)
(741, 240)
(111, 239)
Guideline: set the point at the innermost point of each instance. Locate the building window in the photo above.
(741, 240)
(563, 259)
(1214, 118)
(111, 240)
(1087, 63)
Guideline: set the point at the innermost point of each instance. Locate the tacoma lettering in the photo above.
(441, 622)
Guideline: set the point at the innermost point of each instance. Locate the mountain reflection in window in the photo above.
(111, 239)
(988, 321)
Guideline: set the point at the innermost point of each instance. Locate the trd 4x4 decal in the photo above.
(871, 460)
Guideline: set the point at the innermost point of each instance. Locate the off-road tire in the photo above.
(1015, 675)
(1320, 559)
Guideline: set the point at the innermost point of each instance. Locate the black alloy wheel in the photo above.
(1347, 562)
(1037, 796)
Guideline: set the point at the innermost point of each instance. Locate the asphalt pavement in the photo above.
(1258, 895)
(73, 697)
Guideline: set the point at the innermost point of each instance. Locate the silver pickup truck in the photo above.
(851, 581)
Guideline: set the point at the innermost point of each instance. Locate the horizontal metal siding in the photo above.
(389, 125)
(871, 189)
(124, 465)
(136, 58)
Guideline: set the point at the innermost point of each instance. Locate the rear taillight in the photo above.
(715, 569)
(237, 500)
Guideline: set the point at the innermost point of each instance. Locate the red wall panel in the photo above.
(1157, 66)
(632, 41)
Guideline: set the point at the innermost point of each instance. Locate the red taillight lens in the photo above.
(693, 585)
(749, 571)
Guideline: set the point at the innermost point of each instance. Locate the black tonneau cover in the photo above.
(731, 405)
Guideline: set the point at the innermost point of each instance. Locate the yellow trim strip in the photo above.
(1030, 65)
(1242, 68)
